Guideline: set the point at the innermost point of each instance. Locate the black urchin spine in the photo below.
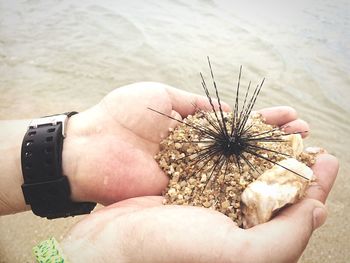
(229, 143)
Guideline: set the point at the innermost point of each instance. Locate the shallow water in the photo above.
(57, 56)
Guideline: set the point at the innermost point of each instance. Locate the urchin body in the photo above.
(213, 156)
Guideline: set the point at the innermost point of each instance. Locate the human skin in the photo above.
(143, 230)
(108, 157)
(108, 152)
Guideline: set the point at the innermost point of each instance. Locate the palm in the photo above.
(119, 138)
(184, 230)
(143, 230)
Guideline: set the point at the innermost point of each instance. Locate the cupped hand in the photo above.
(143, 230)
(109, 150)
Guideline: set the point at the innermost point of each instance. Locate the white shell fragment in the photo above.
(274, 189)
(297, 143)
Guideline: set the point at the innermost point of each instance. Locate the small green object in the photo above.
(49, 251)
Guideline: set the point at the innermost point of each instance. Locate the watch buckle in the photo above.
(53, 120)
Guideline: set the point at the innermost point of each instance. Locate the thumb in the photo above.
(284, 238)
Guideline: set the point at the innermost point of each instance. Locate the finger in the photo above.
(284, 238)
(279, 115)
(186, 103)
(297, 126)
(325, 169)
(173, 123)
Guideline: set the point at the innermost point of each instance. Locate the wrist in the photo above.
(46, 189)
(11, 196)
(75, 150)
(70, 156)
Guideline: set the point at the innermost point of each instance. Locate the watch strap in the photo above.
(45, 188)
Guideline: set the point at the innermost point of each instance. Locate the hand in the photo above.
(143, 230)
(109, 150)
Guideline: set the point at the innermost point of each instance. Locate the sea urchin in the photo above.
(213, 155)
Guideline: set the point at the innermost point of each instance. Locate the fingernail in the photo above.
(319, 217)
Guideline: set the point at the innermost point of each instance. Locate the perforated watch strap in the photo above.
(44, 187)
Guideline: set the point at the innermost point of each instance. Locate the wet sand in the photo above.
(53, 52)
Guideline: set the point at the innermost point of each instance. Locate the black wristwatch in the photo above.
(45, 188)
